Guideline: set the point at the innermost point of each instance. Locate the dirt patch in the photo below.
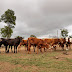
(6, 67)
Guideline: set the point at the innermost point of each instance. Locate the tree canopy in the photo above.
(64, 33)
(9, 18)
(5, 32)
(32, 36)
(70, 36)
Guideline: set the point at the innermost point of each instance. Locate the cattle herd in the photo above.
(38, 44)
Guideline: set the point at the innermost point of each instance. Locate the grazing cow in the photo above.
(36, 42)
(52, 42)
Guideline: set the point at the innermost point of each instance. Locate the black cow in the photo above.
(14, 42)
(11, 42)
(4, 41)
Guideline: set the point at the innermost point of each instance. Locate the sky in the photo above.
(42, 18)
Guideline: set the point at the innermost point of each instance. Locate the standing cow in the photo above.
(39, 43)
(11, 42)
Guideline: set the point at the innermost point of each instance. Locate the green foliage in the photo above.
(5, 32)
(19, 36)
(9, 18)
(70, 36)
(32, 36)
(64, 32)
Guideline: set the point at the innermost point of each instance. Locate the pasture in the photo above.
(41, 62)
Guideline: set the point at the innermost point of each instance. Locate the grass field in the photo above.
(42, 62)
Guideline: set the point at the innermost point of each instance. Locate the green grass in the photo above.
(37, 62)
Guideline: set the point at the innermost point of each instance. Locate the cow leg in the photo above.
(66, 46)
(41, 49)
(34, 48)
(54, 47)
(26, 48)
(29, 48)
(44, 50)
(6, 49)
(14, 49)
(11, 49)
(37, 50)
(70, 46)
(63, 48)
(18, 48)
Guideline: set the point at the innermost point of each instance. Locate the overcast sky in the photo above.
(39, 17)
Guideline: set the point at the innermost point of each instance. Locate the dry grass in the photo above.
(42, 62)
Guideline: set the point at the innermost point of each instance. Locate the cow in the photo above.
(24, 43)
(61, 45)
(4, 41)
(11, 42)
(52, 42)
(0, 42)
(14, 42)
(62, 42)
(39, 43)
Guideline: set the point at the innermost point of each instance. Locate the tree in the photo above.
(9, 18)
(64, 33)
(32, 36)
(19, 36)
(5, 32)
(70, 36)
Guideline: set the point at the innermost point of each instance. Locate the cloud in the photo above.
(39, 17)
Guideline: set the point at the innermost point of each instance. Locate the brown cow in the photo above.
(36, 42)
(55, 41)
(52, 42)
(23, 42)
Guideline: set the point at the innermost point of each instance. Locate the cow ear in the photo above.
(0, 39)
